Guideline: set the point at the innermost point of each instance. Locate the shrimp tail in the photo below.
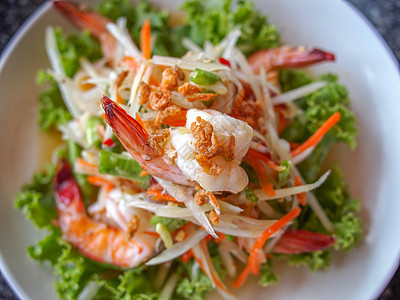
(82, 18)
(288, 57)
(91, 21)
(135, 139)
(131, 134)
(66, 189)
(302, 241)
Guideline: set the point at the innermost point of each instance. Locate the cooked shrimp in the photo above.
(136, 141)
(225, 132)
(287, 57)
(95, 239)
(91, 21)
(302, 241)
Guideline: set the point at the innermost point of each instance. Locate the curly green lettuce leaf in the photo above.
(74, 46)
(318, 107)
(267, 275)
(52, 109)
(213, 20)
(36, 200)
(317, 260)
(194, 287)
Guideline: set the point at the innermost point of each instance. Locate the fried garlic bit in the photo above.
(171, 77)
(194, 93)
(157, 140)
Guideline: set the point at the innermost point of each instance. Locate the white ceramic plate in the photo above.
(364, 64)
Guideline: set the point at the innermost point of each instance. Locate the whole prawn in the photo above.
(136, 141)
(94, 239)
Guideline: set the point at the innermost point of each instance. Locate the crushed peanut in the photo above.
(181, 235)
(169, 111)
(188, 88)
(206, 141)
(143, 93)
(194, 93)
(160, 98)
(214, 217)
(171, 77)
(156, 140)
(209, 166)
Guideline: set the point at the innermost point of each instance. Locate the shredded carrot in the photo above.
(282, 122)
(140, 121)
(302, 196)
(185, 257)
(254, 154)
(208, 238)
(130, 62)
(152, 233)
(262, 176)
(159, 196)
(313, 140)
(99, 181)
(259, 243)
(86, 164)
(176, 121)
(217, 282)
(120, 100)
(242, 277)
(153, 81)
(145, 39)
(221, 237)
(143, 173)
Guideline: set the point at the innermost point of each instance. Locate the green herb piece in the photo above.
(250, 195)
(283, 176)
(229, 237)
(123, 166)
(203, 77)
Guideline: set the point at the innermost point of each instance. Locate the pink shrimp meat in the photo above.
(94, 239)
(287, 57)
(303, 241)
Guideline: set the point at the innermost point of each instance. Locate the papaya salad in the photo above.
(192, 153)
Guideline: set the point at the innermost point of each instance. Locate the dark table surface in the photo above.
(383, 14)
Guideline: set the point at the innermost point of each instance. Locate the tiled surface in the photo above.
(383, 14)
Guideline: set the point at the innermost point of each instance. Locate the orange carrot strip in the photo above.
(213, 278)
(269, 162)
(242, 277)
(152, 233)
(318, 135)
(262, 176)
(120, 100)
(95, 180)
(82, 162)
(145, 39)
(153, 81)
(176, 121)
(131, 62)
(302, 196)
(259, 243)
(185, 257)
(221, 237)
(157, 195)
(140, 121)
